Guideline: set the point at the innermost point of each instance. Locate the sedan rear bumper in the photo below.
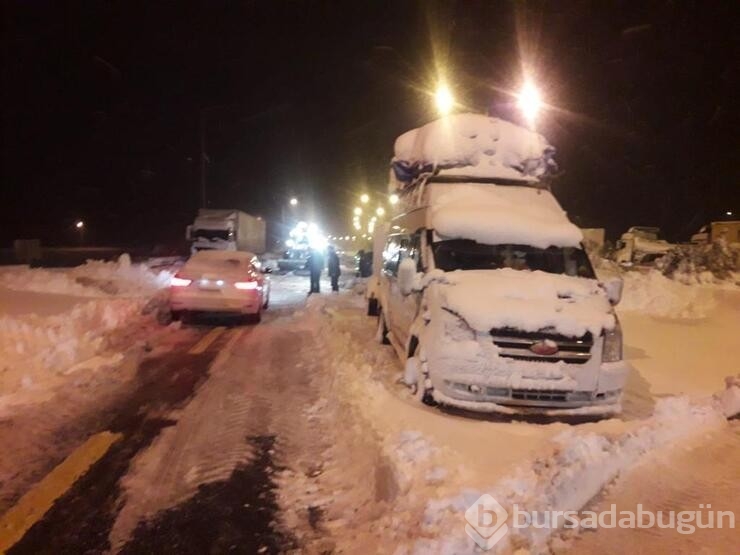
(245, 302)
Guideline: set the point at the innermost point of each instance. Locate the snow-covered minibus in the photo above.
(484, 288)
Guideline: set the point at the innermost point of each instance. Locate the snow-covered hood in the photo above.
(524, 300)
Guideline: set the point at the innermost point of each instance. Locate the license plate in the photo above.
(210, 284)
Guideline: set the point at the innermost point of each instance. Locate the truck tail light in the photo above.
(177, 281)
(246, 285)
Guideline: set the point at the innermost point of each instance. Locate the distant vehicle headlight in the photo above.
(612, 351)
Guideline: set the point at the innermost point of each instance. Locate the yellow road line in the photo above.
(201, 346)
(235, 335)
(33, 505)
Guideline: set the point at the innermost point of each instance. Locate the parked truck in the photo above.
(640, 245)
(226, 229)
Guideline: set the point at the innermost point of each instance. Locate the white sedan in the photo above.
(215, 281)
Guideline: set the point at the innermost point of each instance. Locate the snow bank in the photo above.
(729, 399)
(654, 294)
(473, 145)
(527, 301)
(499, 214)
(35, 349)
(104, 298)
(695, 264)
(95, 278)
(577, 468)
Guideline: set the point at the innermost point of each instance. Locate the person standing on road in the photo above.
(315, 265)
(333, 266)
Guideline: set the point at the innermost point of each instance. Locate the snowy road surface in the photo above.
(296, 435)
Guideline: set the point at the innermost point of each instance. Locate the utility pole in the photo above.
(203, 164)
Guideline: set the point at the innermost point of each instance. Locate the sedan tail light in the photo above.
(246, 285)
(177, 281)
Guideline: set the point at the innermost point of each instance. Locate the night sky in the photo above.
(102, 102)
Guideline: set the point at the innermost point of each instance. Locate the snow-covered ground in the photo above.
(436, 464)
(384, 472)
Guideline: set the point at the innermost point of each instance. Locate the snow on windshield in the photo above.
(528, 301)
(504, 214)
(483, 146)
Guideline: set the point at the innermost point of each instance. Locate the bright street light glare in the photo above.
(393, 199)
(380, 211)
(729, 212)
(294, 201)
(443, 100)
(529, 102)
(364, 198)
(80, 224)
(358, 211)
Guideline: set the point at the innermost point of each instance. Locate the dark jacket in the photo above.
(315, 262)
(333, 264)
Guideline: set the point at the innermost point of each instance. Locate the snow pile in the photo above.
(577, 468)
(527, 301)
(654, 294)
(95, 278)
(473, 145)
(501, 214)
(33, 349)
(692, 264)
(411, 451)
(729, 399)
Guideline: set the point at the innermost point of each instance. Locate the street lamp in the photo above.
(729, 212)
(364, 198)
(380, 211)
(529, 102)
(443, 99)
(80, 227)
(393, 199)
(290, 212)
(358, 211)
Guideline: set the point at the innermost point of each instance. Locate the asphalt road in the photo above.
(183, 459)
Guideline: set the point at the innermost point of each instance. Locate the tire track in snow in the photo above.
(207, 443)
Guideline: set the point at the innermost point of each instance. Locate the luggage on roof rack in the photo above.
(473, 146)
